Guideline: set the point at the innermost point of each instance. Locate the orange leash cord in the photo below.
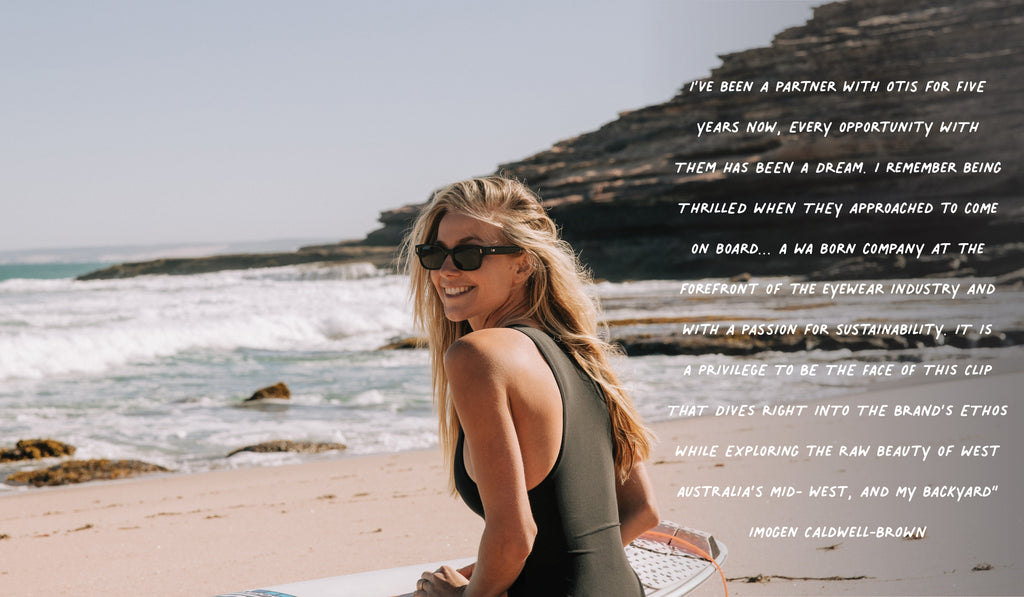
(700, 552)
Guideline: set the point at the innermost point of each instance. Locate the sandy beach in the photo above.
(203, 534)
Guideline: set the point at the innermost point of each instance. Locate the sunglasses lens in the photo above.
(431, 256)
(467, 258)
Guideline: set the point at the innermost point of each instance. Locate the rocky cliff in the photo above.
(616, 191)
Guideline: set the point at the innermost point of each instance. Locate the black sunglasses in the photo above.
(464, 257)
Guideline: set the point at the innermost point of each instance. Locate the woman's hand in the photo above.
(444, 582)
(467, 570)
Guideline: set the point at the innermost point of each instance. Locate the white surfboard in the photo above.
(670, 560)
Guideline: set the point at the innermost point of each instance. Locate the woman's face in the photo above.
(487, 296)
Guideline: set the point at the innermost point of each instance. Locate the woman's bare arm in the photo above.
(479, 383)
(638, 510)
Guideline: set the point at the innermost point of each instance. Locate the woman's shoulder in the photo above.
(491, 349)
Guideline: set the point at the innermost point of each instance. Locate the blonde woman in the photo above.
(541, 438)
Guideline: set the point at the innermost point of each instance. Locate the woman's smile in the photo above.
(455, 291)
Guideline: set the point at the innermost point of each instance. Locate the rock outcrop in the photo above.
(34, 449)
(81, 471)
(615, 191)
(278, 391)
(405, 344)
(675, 343)
(291, 446)
(671, 342)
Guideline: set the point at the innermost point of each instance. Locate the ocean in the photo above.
(156, 368)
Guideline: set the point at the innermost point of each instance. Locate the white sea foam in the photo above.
(62, 327)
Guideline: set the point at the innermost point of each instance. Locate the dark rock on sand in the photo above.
(278, 391)
(81, 471)
(34, 449)
(291, 446)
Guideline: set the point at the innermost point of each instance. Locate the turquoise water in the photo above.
(48, 271)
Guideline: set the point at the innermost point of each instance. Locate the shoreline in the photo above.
(217, 531)
(1007, 366)
(1001, 366)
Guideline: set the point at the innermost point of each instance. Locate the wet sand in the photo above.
(204, 534)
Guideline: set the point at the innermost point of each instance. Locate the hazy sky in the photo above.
(135, 122)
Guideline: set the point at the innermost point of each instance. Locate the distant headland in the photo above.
(854, 98)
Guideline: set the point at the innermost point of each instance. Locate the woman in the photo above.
(543, 441)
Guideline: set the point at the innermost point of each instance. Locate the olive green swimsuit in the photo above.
(578, 549)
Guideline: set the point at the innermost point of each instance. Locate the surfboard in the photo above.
(670, 560)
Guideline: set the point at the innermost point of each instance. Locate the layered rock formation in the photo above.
(615, 191)
(676, 343)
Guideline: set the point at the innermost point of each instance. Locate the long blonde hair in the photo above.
(556, 294)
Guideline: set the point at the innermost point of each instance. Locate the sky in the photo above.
(196, 121)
